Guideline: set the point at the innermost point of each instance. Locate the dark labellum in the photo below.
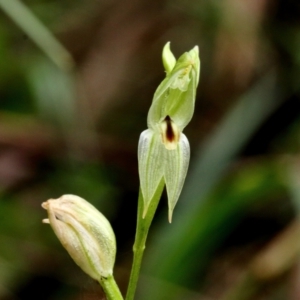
(169, 132)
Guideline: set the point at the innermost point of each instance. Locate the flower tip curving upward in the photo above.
(164, 151)
(84, 232)
(168, 58)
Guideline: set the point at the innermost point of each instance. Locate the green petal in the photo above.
(175, 96)
(81, 245)
(151, 160)
(176, 165)
(182, 110)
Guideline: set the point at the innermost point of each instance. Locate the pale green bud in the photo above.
(84, 232)
(163, 150)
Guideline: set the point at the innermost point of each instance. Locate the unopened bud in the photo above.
(84, 232)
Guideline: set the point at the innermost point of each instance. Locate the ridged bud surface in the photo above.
(84, 232)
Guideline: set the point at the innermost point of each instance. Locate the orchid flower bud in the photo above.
(163, 150)
(84, 232)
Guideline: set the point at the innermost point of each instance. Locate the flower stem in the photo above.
(142, 229)
(110, 288)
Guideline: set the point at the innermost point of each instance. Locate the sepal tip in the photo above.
(168, 58)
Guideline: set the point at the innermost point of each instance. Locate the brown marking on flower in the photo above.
(170, 135)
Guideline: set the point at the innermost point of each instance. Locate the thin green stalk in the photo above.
(142, 229)
(38, 32)
(111, 288)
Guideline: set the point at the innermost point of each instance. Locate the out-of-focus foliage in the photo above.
(74, 128)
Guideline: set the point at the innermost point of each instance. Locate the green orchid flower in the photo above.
(163, 150)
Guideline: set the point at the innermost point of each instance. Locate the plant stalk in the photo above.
(142, 229)
(110, 288)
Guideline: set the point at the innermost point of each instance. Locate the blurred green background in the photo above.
(76, 82)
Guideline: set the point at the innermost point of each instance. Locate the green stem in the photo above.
(39, 33)
(111, 288)
(142, 229)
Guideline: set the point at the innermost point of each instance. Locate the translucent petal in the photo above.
(182, 81)
(151, 160)
(194, 53)
(157, 110)
(183, 113)
(176, 165)
(175, 96)
(98, 247)
(85, 254)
